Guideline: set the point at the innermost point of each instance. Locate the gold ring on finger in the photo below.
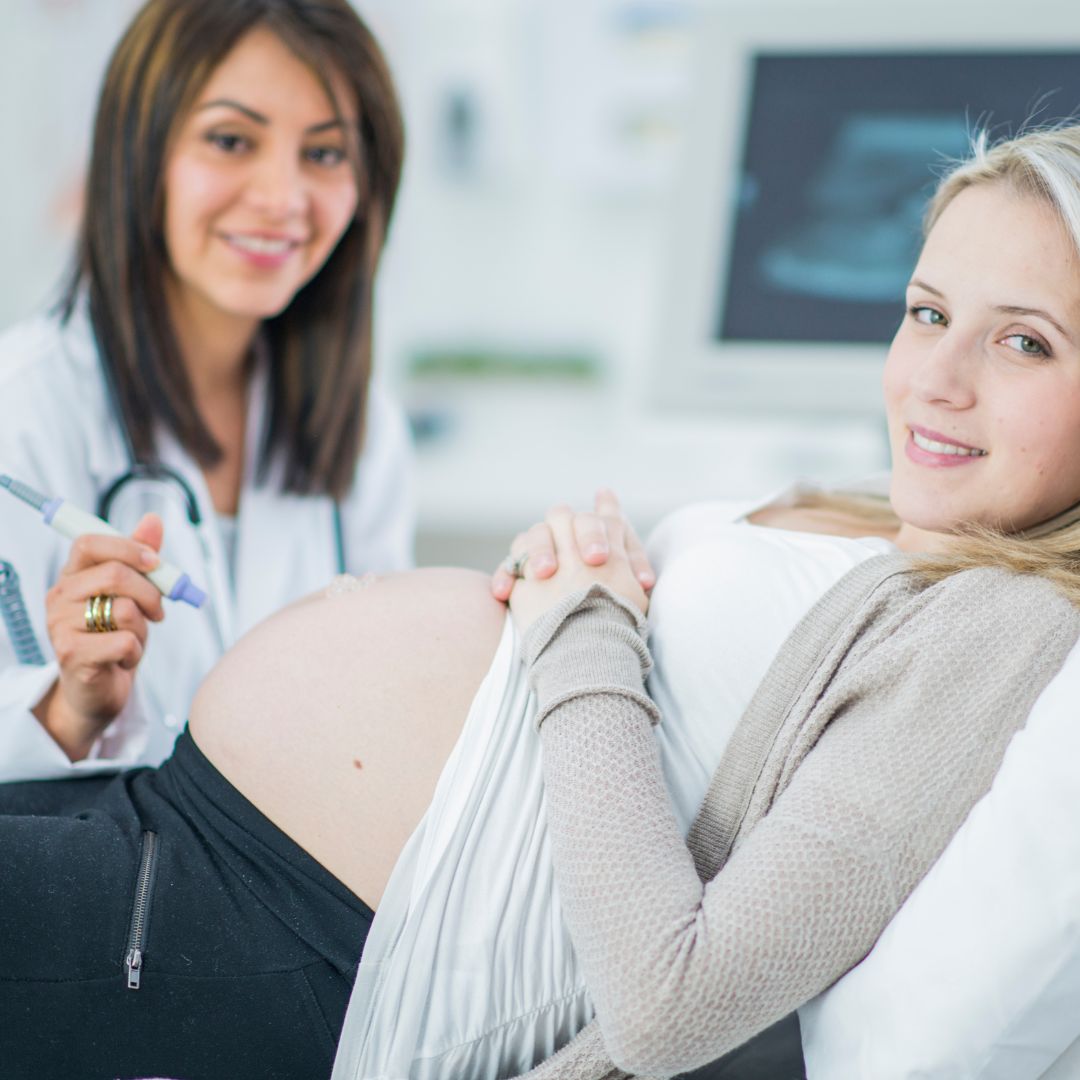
(98, 614)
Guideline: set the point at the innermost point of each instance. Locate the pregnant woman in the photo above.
(849, 682)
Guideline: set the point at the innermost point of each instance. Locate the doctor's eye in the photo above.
(227, 141)
(327, 156)
(926, 315)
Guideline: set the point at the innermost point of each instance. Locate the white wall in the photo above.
(558, 242)
(52, 55)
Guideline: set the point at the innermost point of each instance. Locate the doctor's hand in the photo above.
(620, 569)
(99, 646)
(592, 543)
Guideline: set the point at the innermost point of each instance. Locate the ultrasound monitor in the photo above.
(817, 137)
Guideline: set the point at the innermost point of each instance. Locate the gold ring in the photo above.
(98, 614)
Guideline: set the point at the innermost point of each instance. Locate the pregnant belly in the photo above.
(335, 716)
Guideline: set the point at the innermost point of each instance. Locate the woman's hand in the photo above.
(97, 666)
(568, 538)
(591, 545)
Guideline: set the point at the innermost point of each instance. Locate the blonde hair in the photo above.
(1055, 556)
(1043, 164)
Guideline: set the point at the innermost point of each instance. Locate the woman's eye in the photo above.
(1024, 343)
(230, 144)
(325, 155)
(928, 316)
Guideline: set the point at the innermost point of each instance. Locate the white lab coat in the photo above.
(59, 435)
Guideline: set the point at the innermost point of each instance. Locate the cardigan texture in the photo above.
(880, 723)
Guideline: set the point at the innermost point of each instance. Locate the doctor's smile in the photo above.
(262, 250)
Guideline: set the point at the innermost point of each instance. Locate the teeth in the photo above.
(944, 447)
(259, 245)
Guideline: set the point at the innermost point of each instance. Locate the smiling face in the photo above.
(982, 382)
(259, 186)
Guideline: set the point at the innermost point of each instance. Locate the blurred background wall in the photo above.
(526, 294)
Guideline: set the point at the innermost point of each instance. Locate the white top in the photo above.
(60, 436)
(468, 969)
(229, 529)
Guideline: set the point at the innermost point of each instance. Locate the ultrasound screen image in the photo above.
(841, 154)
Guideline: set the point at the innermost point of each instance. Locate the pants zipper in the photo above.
(133, 961)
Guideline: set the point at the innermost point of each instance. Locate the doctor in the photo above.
(205, 382)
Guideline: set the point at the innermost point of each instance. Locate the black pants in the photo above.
(774, 1054)
(247, 947)
(156, 924)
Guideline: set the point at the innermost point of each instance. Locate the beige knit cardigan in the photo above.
(880, 723)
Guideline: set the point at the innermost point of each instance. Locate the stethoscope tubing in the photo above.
(159, 473)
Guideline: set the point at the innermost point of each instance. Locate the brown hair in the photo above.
(320, 345)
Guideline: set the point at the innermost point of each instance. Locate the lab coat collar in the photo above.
(106, 451)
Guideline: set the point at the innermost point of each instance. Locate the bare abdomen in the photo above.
(336, 716)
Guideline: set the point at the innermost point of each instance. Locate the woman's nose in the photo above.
(276, 185)
(946, 375)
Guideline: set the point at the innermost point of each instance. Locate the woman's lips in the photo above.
(926, 447)
(268, 252)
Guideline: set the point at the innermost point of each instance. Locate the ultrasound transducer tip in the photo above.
(24, 492)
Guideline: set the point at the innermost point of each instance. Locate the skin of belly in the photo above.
(335, 716)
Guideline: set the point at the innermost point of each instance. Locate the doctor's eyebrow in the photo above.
(259, 118)
(1006, 309)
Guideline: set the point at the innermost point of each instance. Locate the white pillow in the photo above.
(978, 974)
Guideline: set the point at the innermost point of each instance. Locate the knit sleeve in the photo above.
(681, 972)
(601, 650)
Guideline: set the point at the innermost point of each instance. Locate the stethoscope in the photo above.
(157, 473)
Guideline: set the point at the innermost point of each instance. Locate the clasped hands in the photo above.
(569, 551)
